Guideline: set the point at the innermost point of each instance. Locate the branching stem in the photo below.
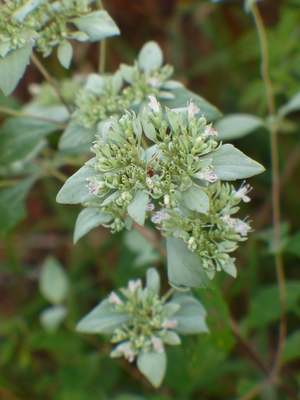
(275, 178)
(102, 45)
(50, 80)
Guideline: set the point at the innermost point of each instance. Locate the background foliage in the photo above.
(215, 52)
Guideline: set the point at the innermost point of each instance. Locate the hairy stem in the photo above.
(15, 113)
(275, 178)
(50, 80)
(102, 45)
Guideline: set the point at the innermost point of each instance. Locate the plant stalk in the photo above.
(102, 45)
(20, 114)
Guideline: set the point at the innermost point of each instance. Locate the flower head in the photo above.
(242, 227)
(160, 216)
(230, 221)
(208, 176)
(192, 109)
(243, 191)
(210, 131)
(126, 349)
(169, 323)
(133, 285)
(157, 344)
(114, 299)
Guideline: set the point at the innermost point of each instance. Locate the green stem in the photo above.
(10, 182)
(20, 114)
(50, 80)
(275, 178)
(168, 295)
(51, 171)
(102, 46)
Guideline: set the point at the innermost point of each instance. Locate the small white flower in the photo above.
(114, 299)
(150, 207)
(159, 216)
(153, 104)
(125, 348)
(243, 191)
(208, 176)
(166, 199)
(169, 323)
(154, 82)
(242, 227)
(192, 109)
(133, 285)
(230, 221)
(210, 131)
(157, 344)
(149, 183)
(94, 189)
(191, 240)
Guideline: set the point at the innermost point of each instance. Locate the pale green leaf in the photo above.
(148, 128)
(292, 105)
(230, 268)
(184, 267)
(172, 338)
(12, 204)
(77, 138)
(230, 164)
(95, 84)
(234, 126)
(75, 190)
(102, 319)
(291, 350)
(153, 280)
(128, 73)
(52, 317)
(88, 219)
(54, 282)
(153, 366)
(12, 68)
(150, 57)
(137, 208)
(293, 245)
(97, 25)
(20, 136)
(65, 54)
(196, 199)
(190, 316)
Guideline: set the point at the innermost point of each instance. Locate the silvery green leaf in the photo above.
(137, 208)
(196, 199)
(77, 138)
(52, 317)
(230, 268)
(54, 282)
(4, 48)
(65, 54)
(153, 366)
(88, 219)
(21, 13)
(111, 197)
(57, 112)
(172, 338)
(248, 5)
(150, 57)
(12, 68)
(75, 189)
(184, 267)
(234, 126)
(170, 309)
(183, 96)
(95, 84)
(12, 204)
(97, 25)
(149, 129)
(20, 136)
(182, 234)
(171, 85)
(102, 319)
(163, 95)
(128, 73)
(292, 105)
(173, 120)
(137, 128)
(80, 36)
(117, 82)
(190, 316)
(230, 164)
(153, 280)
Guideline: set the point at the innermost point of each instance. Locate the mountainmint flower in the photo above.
(192, 109)
(210, 131)
(133, 285)
(159, 216)
(230, 221)
(153, 104)
(208, 176)
(154, 82)
(114, 299)
(157, 344)
(169, 323)
(243, 191)
(242, 228)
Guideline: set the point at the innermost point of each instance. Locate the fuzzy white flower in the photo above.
(166, 199)
(210, 131)
(125, 348)
(150, 207)
(230, 221)
(243, 191)
(208, 176)
(159, 216)
(154, 82)
(114, 299)
(157, 344)
(149, 183)
(94, 189)
(242, 227)
(192, 109)
(169, 323)
(153, 104)
(133, 285)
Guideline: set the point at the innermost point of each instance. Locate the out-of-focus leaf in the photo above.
(65, 54)
(292, 347)
(293, 245)
(146, 253)
(150, 58)
(153, 366)
(292, 105)
(20, 136)
(76, 137)
(268, 236)
(235, 126)
(12, 207)
(12, 68)
(52, 317)
(153, 280)
(184, 267)
(54, 282)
